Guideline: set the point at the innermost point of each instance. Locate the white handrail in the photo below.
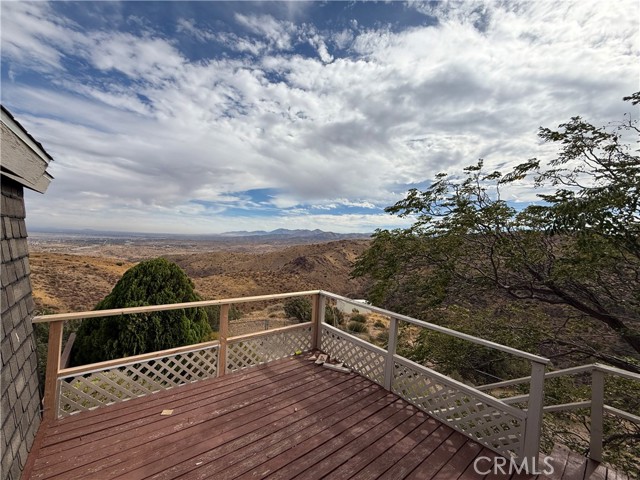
(617, 371)
(161, 308)
(566, 371)
(596, 404)
(622, 414)
(567, 406)
(132, 360)
(553, 374)
(446, 331)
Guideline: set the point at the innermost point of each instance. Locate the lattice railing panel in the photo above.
(368, 361)
(266, 348)
(90, 390)
(487, 424)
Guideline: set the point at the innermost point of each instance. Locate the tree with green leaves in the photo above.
(298, 308)
(576, 248)
(152, 282)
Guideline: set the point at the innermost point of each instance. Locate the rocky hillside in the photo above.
(67, 283)
(302, 267)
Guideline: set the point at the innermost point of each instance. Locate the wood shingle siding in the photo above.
(20, 410)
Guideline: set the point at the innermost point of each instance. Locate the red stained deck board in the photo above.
(433, 463)
(136, 412)
(459, 462)
(277, 466)
(239, 444)
(287, 419)
(418, 454)
(372, 452)
(387, 459)
(113, 441)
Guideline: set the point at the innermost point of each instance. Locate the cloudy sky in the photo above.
(208, 117)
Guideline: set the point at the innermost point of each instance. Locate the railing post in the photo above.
(53, 367)
(223, 334)
(533, 426)
(391, 351)
(317, 317)
(597, 414)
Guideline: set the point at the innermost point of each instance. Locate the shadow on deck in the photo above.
(287, 419)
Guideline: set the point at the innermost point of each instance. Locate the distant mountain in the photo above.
(280, 235)
(298, 233)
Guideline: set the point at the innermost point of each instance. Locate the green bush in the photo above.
(333, 316)
(299, 308)
(153, 282)
(382, 339)
(379, 324)
(357, 327)
(358, 317)
(213, 315)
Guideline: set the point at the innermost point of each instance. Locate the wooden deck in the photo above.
(287, 419)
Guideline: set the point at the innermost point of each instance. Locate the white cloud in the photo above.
(188, 26)
(323, 52)
(152, 59)
(342, 39)
(32, 35)
(154, 130)
(277, 33)
(241, 44)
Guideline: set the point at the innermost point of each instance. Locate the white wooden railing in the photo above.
(506, 429)
(71, 390)
(90, 386)
(596, 404)
(509, 426)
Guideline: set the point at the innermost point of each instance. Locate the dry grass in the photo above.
(64, 282)
(71, 283)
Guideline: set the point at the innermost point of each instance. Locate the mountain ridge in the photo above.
(277, 233)
(297, 233)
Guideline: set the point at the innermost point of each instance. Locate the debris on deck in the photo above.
(322, 358)
(338, 367)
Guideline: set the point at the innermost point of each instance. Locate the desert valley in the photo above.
(74, 272)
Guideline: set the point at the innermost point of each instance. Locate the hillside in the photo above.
(70, 283)
(66, 282)
(302, 267)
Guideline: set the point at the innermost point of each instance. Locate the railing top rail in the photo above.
(160, 308)
(622, 414)
(566, 371)
(555, 373)
(617, 371)
(446, 331)
(208, 303)
(126, 361)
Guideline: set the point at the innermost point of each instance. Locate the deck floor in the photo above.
(287, 419)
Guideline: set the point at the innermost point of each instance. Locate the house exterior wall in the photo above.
(20, 395)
